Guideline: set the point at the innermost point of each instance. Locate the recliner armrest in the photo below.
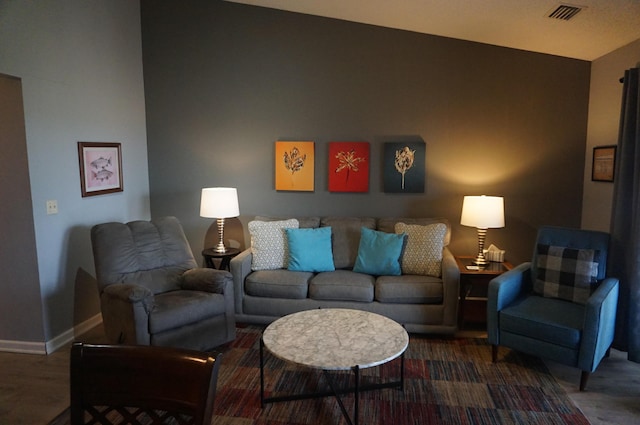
(504, 290)
(129, 292)
(599, 323)
(205, 279)
(510, 285)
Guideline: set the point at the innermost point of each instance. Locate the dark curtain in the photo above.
(625, 220)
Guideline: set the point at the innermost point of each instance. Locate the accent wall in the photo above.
(224, 82)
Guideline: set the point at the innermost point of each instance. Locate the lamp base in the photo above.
(480, 261)
(220, 248)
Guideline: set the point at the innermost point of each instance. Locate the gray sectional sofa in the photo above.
(423, 303)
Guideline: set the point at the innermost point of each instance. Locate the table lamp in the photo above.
(482, 212)
(219, 203)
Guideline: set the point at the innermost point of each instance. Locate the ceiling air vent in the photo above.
(564, 12)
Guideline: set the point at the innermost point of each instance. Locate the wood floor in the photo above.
(34, 389)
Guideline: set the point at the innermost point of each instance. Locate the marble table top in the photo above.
(336, 339)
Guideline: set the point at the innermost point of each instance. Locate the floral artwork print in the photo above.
(294, 165)
(348, 167)
(404, 167)
(294, 161)
(404, 161)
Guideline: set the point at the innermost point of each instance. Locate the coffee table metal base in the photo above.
(333, 392)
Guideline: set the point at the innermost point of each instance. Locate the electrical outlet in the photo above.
(52, 207)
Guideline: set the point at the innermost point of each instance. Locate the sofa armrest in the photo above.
(504, 290)
(599, 324)
(240, 266)
(451, 288)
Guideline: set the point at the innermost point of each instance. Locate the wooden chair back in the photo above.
(142, 385)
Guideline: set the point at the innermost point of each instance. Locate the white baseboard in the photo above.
(52, 345)
(23, 347)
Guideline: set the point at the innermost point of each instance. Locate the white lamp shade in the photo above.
(483, 212)
(219, 202)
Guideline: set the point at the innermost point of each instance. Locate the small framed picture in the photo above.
(100, 168)
(604, 163)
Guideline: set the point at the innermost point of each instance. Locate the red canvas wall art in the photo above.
(348, 167)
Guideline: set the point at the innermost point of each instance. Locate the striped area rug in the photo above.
(447, 381)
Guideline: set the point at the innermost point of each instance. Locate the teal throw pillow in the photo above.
(379, 253)
(310, 250)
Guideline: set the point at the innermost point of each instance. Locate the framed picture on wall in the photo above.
(404, 167)
(604, 163)
(294, 166)
(100, 168)
(348, 167)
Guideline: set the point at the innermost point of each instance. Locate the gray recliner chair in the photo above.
(152, 291)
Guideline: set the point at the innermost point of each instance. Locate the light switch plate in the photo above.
(52, 207)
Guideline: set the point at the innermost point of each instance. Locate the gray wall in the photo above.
(224, 81)
(81, 69)
(605, 101)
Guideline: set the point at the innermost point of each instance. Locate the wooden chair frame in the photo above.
(142, 384)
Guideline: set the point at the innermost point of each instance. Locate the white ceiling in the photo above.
(601, 27)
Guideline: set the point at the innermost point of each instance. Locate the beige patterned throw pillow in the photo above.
(423, 252)
(269, 243)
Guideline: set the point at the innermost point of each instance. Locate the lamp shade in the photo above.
(219, 202)
(483, 212)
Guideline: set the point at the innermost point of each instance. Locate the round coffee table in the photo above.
(335, 339)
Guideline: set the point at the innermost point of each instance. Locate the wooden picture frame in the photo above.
(604, 163)
(100, 168)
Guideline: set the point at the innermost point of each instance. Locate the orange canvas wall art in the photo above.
(294, 165)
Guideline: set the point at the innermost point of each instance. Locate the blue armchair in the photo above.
(560, 306)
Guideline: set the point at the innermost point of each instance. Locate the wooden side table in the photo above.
(210, 254)
(474, 286)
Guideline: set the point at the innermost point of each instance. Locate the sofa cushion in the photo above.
(268, 243)
(388, 224)
(179, 308)
(409, 289)
(310, 250)
(379, 253)
(342, 285)
(566, 273)
(346, 238)
(278, 284)
(562, 324)
(303, 222)
(423, 252)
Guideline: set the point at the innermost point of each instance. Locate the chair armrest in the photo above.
(131, 293)
(125, 313)
(207, 280)
(599, 324)
(240, 266)
(504, 290)
(450, 288)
